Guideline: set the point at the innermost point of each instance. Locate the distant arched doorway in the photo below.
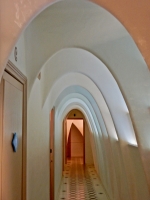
(77, 138)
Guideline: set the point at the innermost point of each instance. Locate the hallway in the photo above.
(80, 183)
(82, 60)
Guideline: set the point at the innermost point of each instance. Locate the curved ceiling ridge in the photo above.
(82, 93)
(65, 24)
(85, 82)
(76, 99)
(84, 69)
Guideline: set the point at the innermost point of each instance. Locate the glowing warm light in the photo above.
(78, 123)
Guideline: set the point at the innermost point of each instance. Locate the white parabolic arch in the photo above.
(79, 67)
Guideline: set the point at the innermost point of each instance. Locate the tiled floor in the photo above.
(81, 183)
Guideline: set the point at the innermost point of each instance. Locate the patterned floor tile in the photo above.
(80, 182)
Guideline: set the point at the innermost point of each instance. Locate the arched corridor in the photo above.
(76, 56)
(80, 179)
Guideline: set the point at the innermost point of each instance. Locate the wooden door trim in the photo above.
(69, 144)
(15, 72)
(63, 151)
(83, 142)
(64, 160)
(65, 145)
(52, 159)
(1, 130)
(12, 80)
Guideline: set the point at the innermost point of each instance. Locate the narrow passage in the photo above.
(81, 183)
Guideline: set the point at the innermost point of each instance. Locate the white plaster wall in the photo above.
(88, 149)
(80, 28)
(134, 80)
(58, 160)
(21, 55)
(37, 147)
(84, 62)
(110, 172)
(38, 167)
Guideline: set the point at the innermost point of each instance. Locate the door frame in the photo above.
(19, 76)
(51, 157)
(65, 139)
(64, 160)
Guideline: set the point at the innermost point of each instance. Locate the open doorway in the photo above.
(74, 136)
(75, 145)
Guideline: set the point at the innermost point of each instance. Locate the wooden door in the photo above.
(64, 150)
(11, 162)
(65, 142)
(83, 142)
(69, 145)
(52, 116)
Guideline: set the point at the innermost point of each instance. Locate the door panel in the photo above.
(12, 123)
(65, 133)
(83, 142)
